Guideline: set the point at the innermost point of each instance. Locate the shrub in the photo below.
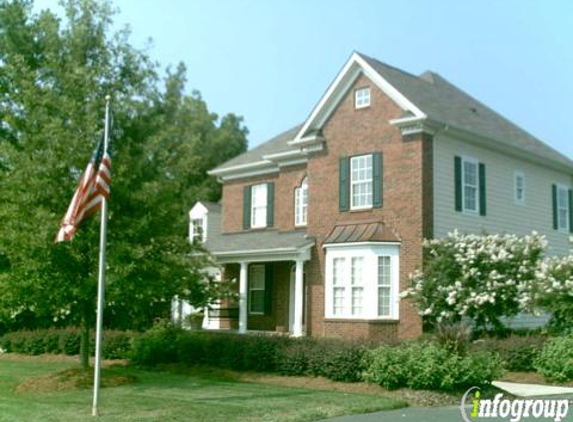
(430, 367)
(552, 292)
(477, 277)
(66, 341)
(157, 345)
(518, 353)
(555, 362)
(344, 363)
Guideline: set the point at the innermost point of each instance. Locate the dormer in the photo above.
(199, 220)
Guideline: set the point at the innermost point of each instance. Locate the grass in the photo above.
(166, 396)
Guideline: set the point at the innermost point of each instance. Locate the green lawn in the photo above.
(163, 396)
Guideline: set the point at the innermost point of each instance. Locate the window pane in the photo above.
(257, 301)
(356, 270)
(338, 301)
(470, 173)
(383, 301)
(563, 198)
(257, 289)
(563, 216)
(338, 271)
(357, 299)
(470, 198)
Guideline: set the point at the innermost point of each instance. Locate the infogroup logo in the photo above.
(513, 409)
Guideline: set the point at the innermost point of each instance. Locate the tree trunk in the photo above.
(85, 342)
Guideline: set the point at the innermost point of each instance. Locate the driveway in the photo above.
(423, 414)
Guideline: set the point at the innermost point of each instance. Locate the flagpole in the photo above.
(101, 277)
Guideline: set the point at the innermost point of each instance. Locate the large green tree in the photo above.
(54, 76)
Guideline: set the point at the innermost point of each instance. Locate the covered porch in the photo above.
(269, 269)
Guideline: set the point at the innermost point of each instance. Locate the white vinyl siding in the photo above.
(362, 97)
(503, 215)
(362, 282)
(361, 182)
(259, 206)
(257, 289)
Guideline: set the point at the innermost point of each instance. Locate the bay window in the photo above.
(362, 282)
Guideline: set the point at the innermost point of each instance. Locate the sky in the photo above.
(270, 61)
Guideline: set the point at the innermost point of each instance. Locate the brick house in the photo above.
(322, 225)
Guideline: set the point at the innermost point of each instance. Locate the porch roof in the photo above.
(260, 244)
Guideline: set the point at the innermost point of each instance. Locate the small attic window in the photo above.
(362, 97)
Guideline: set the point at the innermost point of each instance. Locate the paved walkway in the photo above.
(533, 390)
(411, 414)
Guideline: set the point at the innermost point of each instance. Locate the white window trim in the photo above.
(370, 273)
(251, 312)
(352, 183)
(253, 190)
(466, 159)
(364, 104)
(518, 174)
(299, 206)
(561, 186)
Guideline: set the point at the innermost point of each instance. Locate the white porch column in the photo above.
(298, 298)
(243, 298)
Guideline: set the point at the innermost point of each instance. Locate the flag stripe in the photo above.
(94, 186)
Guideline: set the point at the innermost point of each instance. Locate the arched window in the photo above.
(301, 204)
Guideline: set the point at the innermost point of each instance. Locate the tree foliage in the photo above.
(54, 77)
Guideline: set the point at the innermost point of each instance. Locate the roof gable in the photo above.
(354, 67)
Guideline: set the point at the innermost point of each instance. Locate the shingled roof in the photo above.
(442, 102)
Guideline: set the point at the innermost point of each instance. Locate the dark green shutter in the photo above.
(554, 198)
(458, 182)
(269, 279)
(377, 179)
(247, 207)
(482, 191)
(570, 211)
(344, 184)
(270, 204)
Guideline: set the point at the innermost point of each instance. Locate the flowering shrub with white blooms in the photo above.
(553, 291)
(482, 277)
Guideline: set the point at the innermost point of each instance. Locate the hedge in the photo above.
(418, 365)
(518, 352)
(166, 344)
(116, 344)
(555, 361)
(427, 366)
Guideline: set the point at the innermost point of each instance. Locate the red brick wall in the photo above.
(352, 132)
(407, 208)
(285, 182)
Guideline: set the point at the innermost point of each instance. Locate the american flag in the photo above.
(94, 185)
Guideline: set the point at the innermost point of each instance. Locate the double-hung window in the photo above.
(563, 207)
(357, 280)
(338, 288)
(470, 185)
(384, 285)
(197, 230)
(257, 289)
(519, 186)
(301, 204)
(361, 181)
(259, 206)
